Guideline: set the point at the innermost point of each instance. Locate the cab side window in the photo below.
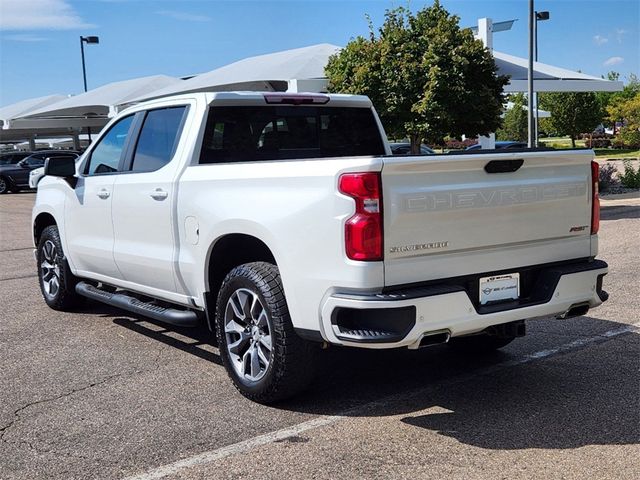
(105, 158)
(158, 139)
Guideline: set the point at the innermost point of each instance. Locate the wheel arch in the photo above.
(227, 252)
(42, 221)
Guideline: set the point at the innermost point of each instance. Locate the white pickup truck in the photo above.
(285, 222)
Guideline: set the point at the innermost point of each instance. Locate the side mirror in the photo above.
(64, 167)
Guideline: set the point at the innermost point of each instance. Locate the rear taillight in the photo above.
(363, 231)
(595, 198)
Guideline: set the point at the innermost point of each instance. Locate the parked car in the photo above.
(36, 175)
(14, 177)
(285, 222)
(12, 158)
(404, 148)
(501, 145)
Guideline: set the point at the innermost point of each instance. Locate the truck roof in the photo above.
(273, 98)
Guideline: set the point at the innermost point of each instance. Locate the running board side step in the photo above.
(179, 318)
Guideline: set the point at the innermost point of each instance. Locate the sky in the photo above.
(40, 46)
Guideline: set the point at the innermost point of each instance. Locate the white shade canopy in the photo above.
(541, 113)
(103, 101)
(263, 72)
(547, 78)
(25, 107)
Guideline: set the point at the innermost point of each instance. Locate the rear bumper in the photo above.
(402, 318)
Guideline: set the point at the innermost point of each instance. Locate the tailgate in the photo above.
(446, 216)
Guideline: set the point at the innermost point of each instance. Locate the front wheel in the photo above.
(266, 360)
(57, 283)
(4, 185)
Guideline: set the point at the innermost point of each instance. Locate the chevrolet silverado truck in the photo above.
(284, 222)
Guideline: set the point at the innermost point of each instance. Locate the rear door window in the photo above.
(241, 134)
(158, 138)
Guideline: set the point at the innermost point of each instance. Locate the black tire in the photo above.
(479, 344)
(52, 265)
(5, 185)
(291, 359)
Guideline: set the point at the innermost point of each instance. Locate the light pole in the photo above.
(88, 41)
(530, 122)
(540, 16)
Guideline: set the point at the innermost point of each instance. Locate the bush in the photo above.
(455, 144)
(631, 177)
(628, 138)
(605, 176)
(597, 143)
(585, 136)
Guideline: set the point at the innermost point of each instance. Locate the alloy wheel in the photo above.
(49, 269)
(248, 335)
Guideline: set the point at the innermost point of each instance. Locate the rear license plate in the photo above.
(499, 287)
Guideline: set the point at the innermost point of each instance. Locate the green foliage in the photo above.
(427, 77)
(515, 122)
(610, 100)
(572, 113)
(631, 177)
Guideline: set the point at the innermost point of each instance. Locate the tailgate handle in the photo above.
(503, 166)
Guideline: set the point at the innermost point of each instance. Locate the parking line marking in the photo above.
(282, 434)
(19, 277)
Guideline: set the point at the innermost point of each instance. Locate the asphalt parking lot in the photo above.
(100, 394)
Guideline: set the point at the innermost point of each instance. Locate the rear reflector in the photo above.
(363, 231)
(595, 198)
(296, 99)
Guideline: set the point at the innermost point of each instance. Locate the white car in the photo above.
(35, 176)
(284, 220)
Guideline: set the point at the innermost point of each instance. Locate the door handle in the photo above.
(159, 194)
(103, 194)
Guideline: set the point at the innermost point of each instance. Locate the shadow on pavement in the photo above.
(618, 212)
(574, 399)
(195, 338)
(587, 397)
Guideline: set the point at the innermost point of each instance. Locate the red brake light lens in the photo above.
(595, 198)
(363, 231)
(296, 99)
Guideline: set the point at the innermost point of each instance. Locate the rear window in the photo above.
(246, 134)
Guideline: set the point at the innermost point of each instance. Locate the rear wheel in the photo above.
(482, 343)
(4, 185)
(266, 360)
(57, 283)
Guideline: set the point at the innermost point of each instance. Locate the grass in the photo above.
(605, 153)
(560, 142)
(615, 154)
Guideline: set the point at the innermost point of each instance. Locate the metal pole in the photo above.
(84, 70)
(535, 57)
(530, 122)
(84, 78)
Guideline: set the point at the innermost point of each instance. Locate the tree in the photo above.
(627, 111)
(427, 77)
(515, 123)
(572, 113)
(614, 106)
